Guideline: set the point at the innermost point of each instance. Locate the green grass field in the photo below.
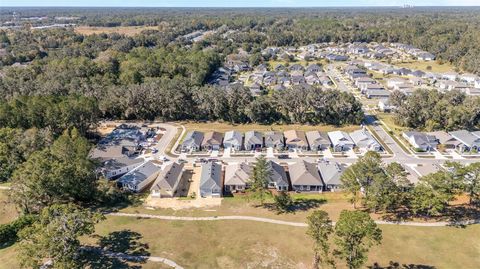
(244, 244)
(420, 65)
(224, 127)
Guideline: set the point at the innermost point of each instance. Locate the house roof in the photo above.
(304, 173)
(338, 137)
(444, 137)
(238, 173)
(273, 137)
(465, 137)
(253, 137)
(168, 177)
(295, 137)
(210, 176)
(421, 138)
(212, 138)
(114, 164)
(331, 172)
(363, 135)
(277, 174)
(139, 174)
(317, 138)
(193, 138)
(233, 137)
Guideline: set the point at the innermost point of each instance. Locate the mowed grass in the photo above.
(424, 66)
(8, 211)
(246, 244)
(123, 30)
(224, 127)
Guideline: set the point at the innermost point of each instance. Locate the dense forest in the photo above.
(159, 73)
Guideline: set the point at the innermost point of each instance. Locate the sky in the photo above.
(238, 3)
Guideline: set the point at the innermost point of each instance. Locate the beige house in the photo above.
(167, 181)
(295, 140)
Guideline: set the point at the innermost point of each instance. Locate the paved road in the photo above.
(289, 223)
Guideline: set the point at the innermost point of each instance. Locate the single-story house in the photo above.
(277, 177)
(212, 141)
(377, 93)
(193, 141)
(211, 180)
(234, 140)
(305, 177)
(445, 139)
(318, 140)
(274, 139)
(295, 140)
(468, 140)
(331, 172)
(237, 176)
(365, 141)
(114, 168)
(313, 68)
(341, 141)
(139, 178)
(253, 140)
(421, 141)
(167, 180)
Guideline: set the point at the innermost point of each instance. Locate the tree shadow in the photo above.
(458, 216)
(126, 242)
(396, 265)
(119, 249)
(297, 205)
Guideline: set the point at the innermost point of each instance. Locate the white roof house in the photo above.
(233, 139)
(468, 140)
(365, 141)
(341, 141)
(421, 141)
(139, 178)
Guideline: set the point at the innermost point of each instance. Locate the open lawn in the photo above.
(424, 66)
(125, 30)
(224, 127)
(7, 209)
(245, 244)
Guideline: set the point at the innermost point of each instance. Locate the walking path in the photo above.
(5, 188)
(291, 223)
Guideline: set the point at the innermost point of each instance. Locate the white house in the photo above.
(365, 141)
(341, 141)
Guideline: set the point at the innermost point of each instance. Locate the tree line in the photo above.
(434, 110)
(385, 188)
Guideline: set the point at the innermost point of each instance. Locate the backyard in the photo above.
(224, 127)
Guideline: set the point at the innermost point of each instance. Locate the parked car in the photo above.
(283, 156)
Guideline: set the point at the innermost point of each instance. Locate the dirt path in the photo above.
(291, 223)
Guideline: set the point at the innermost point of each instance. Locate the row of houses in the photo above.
(368, 86)
(216, 179)
(291, 140)
(460, 140)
